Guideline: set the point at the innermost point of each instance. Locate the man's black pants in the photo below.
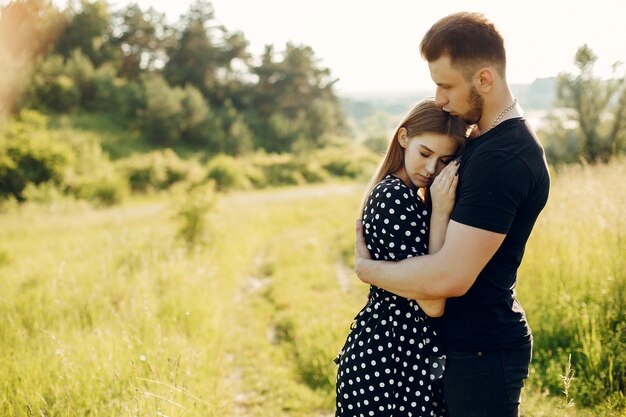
(486, 384)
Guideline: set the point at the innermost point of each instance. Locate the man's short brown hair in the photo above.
(469, 39)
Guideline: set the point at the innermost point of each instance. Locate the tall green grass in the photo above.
(109, 313)
(103, 314)
(573, 286)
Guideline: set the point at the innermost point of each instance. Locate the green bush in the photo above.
(377, 144)
(43, 193)
(227, 172)
(277, 169)
(157, 170)
(285, 173)
(262, 170)
(101, 190)
(347, 160)
(39, 164)
(312, 171)
(142, 175)
(255, 176)
(193, 213)
(351, 161)
(29, 156)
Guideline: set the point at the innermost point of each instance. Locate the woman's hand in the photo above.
(443, 190)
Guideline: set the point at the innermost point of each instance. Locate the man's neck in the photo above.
(498, 108)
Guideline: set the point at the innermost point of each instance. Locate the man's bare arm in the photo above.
(437, 232)
(442, 194)
(447, 273)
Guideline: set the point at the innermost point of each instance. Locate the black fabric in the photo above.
(486, 384)
(503, 185)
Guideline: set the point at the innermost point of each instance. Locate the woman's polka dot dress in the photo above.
(391, 363)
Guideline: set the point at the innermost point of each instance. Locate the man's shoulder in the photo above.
(514, 136)
(513, 145)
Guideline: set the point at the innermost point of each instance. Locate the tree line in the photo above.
(191, 83)
(194, 85)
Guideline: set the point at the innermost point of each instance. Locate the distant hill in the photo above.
(538, 95)
(376, 113)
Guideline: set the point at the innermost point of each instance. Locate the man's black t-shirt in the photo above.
(503, 185)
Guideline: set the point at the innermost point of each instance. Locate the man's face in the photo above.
(454, 93)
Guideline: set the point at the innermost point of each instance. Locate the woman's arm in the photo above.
(442, 194)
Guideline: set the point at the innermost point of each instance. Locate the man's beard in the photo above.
(475, 102)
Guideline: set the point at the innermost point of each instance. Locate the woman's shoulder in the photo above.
(391, 187)
(390, 191)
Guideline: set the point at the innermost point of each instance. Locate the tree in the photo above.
(204, 56)
(142, 39)
(599, 107)
(52, 87)
(88, 30)
(295, 101)
(193, 60)
(162, 119)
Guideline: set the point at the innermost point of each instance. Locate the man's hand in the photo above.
(361, 253)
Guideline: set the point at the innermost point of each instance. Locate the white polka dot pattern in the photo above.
(391, 363)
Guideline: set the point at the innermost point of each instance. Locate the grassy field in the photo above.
(107, 313)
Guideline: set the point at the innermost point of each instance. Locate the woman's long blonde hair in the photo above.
(424, 117)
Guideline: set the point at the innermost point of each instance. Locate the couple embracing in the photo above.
(442, 233)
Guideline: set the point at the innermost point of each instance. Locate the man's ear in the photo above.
(403, 137)
(483, 80)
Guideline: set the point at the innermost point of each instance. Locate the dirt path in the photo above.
(258, 371)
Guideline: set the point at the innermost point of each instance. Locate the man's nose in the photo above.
(440, 98)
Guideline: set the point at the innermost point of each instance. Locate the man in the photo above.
(503, 186)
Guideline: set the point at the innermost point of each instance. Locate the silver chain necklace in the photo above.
(502, 113)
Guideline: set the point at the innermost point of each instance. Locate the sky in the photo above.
(373, 45)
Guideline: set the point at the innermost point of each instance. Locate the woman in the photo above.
(391, 363)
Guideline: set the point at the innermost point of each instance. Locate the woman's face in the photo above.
(425, 156)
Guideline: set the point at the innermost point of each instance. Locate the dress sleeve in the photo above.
(395, 223)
